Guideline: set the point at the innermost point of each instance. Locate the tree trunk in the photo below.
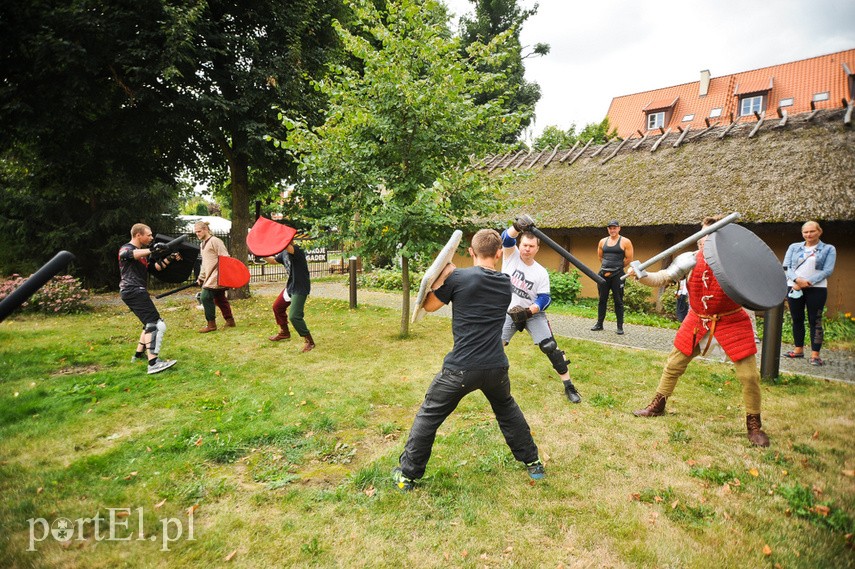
(405, 300)
(239, 171)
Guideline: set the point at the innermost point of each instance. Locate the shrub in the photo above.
(564, 287)
(388, 279)
(636, 297)
(60, 295)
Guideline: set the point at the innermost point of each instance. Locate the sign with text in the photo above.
(316, 255)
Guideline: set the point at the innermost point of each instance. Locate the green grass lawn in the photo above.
(284, 458)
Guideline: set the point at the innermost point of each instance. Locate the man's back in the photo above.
(479, 298)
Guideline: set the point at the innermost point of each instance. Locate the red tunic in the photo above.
(712, 308)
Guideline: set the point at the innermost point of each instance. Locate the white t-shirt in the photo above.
(527, 281)
(808, 268)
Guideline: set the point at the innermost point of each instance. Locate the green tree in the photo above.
(490, 19)
(599, 132)
(386, 169)
(84, 154)
(552, 136)
(226, 66)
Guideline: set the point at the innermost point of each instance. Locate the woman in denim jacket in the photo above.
(808, 265)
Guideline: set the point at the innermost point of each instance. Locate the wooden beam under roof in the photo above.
(590, 140)
(600, 149)
(499, 163)
(682, 136)
(847, 118)
(640, 141)
(536, 158)
(760, 119)
(551, 156)
(784, 116)
(661, 138)
(616, 150)
(569, 152)
(728, 129)
(516, 164)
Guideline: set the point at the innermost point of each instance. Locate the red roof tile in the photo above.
(798, 80)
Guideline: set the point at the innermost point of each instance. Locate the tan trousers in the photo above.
(746, 371)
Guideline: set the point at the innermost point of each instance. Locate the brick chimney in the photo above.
(705, 83)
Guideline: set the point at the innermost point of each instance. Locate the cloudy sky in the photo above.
(607, 48)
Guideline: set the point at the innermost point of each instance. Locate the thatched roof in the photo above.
(801, 169)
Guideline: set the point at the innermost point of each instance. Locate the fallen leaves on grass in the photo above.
(230, 556)
(767, 551)
(160, 504)
(754, 472)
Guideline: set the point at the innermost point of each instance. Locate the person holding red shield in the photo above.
(213, 295)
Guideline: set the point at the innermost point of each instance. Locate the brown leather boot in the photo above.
(655, 409)
(230, 323)
(309, 345)
(282, 335)
(210, 327)
(755, 432)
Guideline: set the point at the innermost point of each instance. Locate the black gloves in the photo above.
(519, 315)
(524, 223)
(159, 249)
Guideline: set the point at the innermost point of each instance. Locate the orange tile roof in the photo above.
(661, 104)
(797, 80)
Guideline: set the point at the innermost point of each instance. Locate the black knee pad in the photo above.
(550, 347)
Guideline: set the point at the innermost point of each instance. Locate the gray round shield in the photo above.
(745, 267)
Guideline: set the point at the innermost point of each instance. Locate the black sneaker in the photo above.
(597, 328)
(571, 393)
(402, 483)
(535, 470)
(620, 332)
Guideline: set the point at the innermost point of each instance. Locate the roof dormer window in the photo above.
(750, 105)
(655, 120)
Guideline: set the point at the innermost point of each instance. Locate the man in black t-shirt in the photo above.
(292, 301)
(134, 259)
(479, 296)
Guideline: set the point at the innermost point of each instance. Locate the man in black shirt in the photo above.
(134, 259)
(296, 290)
(479, 296)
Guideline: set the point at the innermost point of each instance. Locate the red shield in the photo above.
(232, 273)
(267, 238)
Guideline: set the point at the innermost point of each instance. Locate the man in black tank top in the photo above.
(615, 253)
(479, 296)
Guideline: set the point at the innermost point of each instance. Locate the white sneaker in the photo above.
(161, 365)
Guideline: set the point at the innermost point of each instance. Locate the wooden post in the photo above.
(773, 323)
(352, 270)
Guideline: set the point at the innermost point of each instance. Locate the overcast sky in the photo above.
(607, 48)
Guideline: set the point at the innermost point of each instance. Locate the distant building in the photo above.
(823, 82)
(219, 225)
(778, 170)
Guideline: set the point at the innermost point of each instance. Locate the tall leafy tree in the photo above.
(106, 108)
(387, 167)
(491, 18)
(84, 154)
(227, 65)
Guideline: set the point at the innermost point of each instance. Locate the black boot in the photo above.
(571, 393)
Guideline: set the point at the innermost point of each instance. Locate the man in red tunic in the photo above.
(712, 314)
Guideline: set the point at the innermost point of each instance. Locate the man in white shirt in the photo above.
(530, 297)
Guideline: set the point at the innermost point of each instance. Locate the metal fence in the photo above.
(321, 261)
